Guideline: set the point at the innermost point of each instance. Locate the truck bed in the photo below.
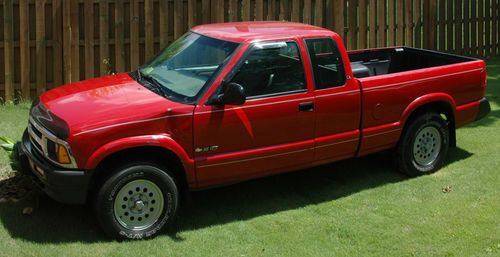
(392, 79)
(375, 62)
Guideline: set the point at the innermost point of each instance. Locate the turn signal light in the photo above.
(62, 155)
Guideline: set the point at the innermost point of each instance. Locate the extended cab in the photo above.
(235, 101)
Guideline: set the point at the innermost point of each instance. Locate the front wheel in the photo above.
(137, 201)
(423, 146)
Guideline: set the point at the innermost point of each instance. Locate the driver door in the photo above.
(271, 132)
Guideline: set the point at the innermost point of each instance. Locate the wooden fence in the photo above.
(46, 43)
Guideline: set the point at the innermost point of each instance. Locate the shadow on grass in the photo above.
(57, 223)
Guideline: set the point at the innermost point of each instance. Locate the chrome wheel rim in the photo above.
(138, 204)
(427, 146)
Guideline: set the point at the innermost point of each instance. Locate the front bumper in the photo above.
(484, 108)
(63, 185)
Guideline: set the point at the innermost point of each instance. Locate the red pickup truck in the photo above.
(236, 101)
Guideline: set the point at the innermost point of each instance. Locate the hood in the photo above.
(104, 101)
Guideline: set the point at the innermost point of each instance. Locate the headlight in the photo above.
(53, 148)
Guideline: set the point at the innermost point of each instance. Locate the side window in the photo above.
(268, 71)
(327, 64)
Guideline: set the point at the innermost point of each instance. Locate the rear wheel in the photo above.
(423, 146)
(137, 201)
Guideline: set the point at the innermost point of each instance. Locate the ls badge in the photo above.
(206, 149)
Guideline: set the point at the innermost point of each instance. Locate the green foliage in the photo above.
(7, 144)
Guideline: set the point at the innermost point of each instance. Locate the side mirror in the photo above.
(234, 94)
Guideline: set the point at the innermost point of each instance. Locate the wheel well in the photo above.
(154, 154)
(443, 108)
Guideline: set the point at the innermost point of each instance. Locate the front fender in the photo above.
(162, 140)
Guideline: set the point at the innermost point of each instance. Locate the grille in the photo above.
(35, 137)
(36, 131)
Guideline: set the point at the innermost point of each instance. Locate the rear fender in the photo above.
(426, 99)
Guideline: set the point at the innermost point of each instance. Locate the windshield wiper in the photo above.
(152, 83)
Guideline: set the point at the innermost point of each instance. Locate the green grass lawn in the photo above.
(358, 207)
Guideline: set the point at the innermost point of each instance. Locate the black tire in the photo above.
(414, 159)
(148, 173)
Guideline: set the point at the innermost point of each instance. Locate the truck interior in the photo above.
(377, 62)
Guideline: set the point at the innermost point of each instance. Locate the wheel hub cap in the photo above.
(427, 146)
(138, 204)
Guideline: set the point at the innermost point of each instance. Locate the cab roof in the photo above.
(257, 30)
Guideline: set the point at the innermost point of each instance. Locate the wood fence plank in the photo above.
(41, 76)
(103, 36)
(418, 22)
(134, 33)
(433, 24)
(392, 23)
(119, 37)
(480, 28)
(362, 26)
(497, 31)
(338, 18)
(245, 10)
(494, 27)
(24, 48)
(219, 11)
(233, 10)
(306, 15)
(458, 27)
(382, 26)
(89, 38)
(205, 11)
(67, 41)
(373, 23)
(283, 9)
(164, 19)
(487, 27)
(259, 10)
(400, 22)
(442, 26)
(319, 12)
(466, 23)
(473, 26)
(192, 13)
(8, 34)
(75, 41)
(271, 10)
(353, 25)
(449, 26)
(408, 23)
(329, 6)
(296, 10)
(57, 45)
(178, 17)
(149, 49)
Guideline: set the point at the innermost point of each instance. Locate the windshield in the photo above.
(187, 65)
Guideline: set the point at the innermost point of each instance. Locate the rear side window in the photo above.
(271, 71)
(326, 63)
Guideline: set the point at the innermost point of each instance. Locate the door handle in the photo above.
(306, 107)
